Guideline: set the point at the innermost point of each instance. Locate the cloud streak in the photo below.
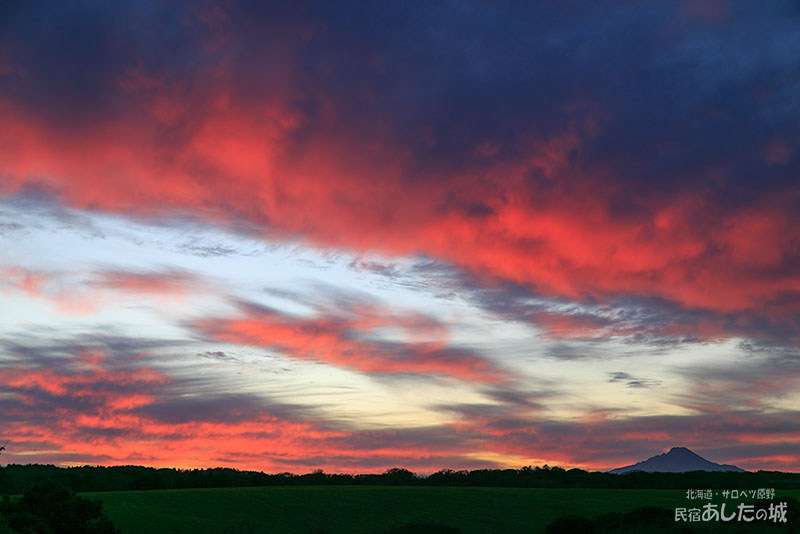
(349, 341)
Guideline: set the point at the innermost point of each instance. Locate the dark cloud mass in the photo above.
(642, 148)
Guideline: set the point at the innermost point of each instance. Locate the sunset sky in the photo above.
(362, 235)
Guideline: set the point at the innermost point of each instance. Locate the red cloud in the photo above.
(347, 342)
(17, 278)
(73, 292)
(161, 283)
(116, 411)
(572, 326)
(358, 190)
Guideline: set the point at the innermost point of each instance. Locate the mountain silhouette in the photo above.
(677, 460)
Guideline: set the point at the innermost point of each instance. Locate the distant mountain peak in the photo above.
(677, 460)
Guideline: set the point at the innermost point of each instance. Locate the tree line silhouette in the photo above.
(14, 478)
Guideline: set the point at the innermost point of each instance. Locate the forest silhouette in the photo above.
(14, 478)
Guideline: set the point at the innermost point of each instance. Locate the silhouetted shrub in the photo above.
(47, 507)
(397, 476)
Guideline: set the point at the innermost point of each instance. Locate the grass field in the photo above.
(367, 509)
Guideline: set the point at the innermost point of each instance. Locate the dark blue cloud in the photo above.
(672, 95)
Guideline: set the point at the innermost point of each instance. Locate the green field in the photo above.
(366, 509)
